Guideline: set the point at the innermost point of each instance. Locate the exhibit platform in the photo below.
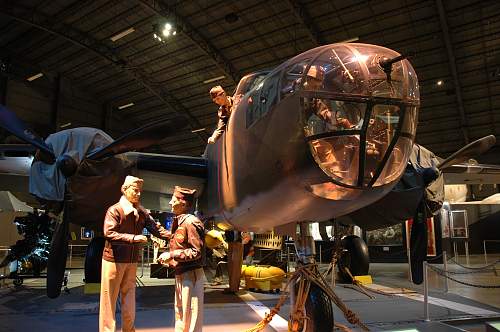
(462, 308)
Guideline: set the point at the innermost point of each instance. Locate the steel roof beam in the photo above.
(188, 30)
(301, 14)
(39, 20)
(453, 68)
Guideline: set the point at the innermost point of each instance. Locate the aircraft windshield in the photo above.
(249, 82)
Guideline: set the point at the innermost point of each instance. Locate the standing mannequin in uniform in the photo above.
(186, 255)
(123, 227)
(225, 103)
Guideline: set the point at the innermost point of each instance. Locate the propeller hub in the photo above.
(66, 165)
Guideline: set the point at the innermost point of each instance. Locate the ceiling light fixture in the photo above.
(126, 106)
(218, 78)
(122, 34)
(439, 83)
(197, 130)
(65, 125)
(34, 77)
(350, 40)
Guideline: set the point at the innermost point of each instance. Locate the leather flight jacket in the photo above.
(120, 230)
(187, 243)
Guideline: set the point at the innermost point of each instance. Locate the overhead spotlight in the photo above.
(439, 83)
(168, 30)
(162, 33)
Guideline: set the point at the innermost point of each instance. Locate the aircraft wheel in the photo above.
(93, 260)
(319, 311)
(356, 258)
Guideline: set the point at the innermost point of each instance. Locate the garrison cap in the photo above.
(131, 180)
(184, 194)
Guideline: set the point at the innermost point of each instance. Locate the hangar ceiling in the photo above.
(76, 43)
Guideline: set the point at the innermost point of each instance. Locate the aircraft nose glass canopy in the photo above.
(359, 124)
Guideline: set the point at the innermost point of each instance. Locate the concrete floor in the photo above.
(27, 308)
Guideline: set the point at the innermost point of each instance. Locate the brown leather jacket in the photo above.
(187, 243)
(120, 229)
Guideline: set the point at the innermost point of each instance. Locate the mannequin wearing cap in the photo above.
(186, 255)
(122, 229)
(225, 103)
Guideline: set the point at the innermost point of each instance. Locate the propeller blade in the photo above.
(469, 151)
(10, 122)
(141, 138)
(57, 258)
(418, 244)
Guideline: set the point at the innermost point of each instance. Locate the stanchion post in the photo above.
(426, 293)
(445, 265)
(320, 254)
(70, 254)
(466, 242)
(485, 255)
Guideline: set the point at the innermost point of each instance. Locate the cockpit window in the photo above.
(262, 98)
(292, 77)
(249, 82)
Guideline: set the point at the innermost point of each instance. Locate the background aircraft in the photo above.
(326, 135)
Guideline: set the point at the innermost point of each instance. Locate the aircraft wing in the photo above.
(162, 172)
(472, 174)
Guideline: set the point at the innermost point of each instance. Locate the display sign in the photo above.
(459, 225)
(86, 233)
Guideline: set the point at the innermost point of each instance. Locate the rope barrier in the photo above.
(475, 268)
(444, 274)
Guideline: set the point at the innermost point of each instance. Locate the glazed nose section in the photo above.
(358, 145)
(359, 115)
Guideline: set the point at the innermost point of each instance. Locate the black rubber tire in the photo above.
(93, 260)
(319, 311)
(57, 259)
(356, 258)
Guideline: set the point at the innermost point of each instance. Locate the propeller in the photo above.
(469, 151)
(418, 239)
(57, 257)
(140, 138)
(10, 122)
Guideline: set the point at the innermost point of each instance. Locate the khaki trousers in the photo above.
(189, 301)
(117, 278)
(235, 259)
